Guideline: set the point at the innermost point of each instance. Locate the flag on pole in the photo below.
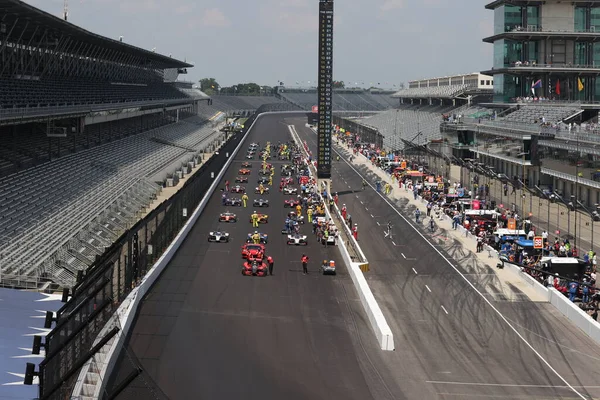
(557, 87)
(579, 84)
(535, 85)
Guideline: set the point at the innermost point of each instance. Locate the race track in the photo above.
(206, 332)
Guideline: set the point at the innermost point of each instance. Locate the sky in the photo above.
(267, 41)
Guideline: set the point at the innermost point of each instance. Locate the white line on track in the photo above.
(361, 202)
(485, 299)
(378, 224)
(506, 385)
(394, 243)
(372, 216)
(415, 271)
(366, 209)
(446, 311)
(405, 258)
(427, 287)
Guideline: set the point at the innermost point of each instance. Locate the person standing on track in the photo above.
(254, 217)
(304, 261)
(245, 199)
(227, 186)
(271, 263)
(256, 237)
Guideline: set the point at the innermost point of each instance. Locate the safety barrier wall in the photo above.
(379, 324)
(562, 303)
(126, 312)
(575, 314)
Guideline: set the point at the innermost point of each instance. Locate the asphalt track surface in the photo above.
(204, 331)
(450, 342)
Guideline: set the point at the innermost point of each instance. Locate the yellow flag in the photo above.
(579, 84)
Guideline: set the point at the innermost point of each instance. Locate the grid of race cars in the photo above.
(305, 202)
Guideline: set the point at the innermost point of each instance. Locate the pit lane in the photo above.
(204, 331)
(450, 343)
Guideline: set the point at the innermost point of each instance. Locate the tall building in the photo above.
(548, 49)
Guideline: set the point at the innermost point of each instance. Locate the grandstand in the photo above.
(92, 130)
(241, 104)
(343, 99)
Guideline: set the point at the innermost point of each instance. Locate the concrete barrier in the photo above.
(575, 314)
(379, 324)
(92, 380)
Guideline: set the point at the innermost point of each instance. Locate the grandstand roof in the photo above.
(497, 3)
(21, 15)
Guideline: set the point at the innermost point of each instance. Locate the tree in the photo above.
(338, 84)
(209, 85)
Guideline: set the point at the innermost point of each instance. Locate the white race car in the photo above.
(331, 239)
(290, 190)
(219, 237)
(297, 240)
(260, 203)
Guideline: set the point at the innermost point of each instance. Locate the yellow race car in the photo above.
(262, 218)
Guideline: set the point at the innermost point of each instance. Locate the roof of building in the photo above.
(26, 20)
(22, 316)
(497, 3)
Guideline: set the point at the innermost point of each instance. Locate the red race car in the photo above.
(244, 171)
(255, 268)
(241, 179)
(246, 164)
(253, 251)
(291, 203)
(287, 181)
(238, 189)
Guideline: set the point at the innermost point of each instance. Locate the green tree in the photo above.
(209, 86)
(338, 84)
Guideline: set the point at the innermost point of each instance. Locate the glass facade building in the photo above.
(555, 42)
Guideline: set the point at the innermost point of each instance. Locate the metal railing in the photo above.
(17, 113)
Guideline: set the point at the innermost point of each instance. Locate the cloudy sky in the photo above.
(386, 41)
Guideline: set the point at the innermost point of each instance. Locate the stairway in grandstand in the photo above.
(57, 217)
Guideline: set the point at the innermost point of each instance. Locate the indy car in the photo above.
(260, 203)
(290, 190)
(227, 217)
(262, 218)
(265, 190)
(285, 167)
(287, 181)
(264, 238)
(294, 217)
(254, 145)
(244, 171)
(331, 239)
(297, 240)
(238, 189)
(291, 203)
(255, 268)
(218, 236)
(328, 267)
(253, 251)
(266, 172)
(246, 164)
(286, 173)
(249, 156)
(241, 179)
(233, 202)
(263, 180)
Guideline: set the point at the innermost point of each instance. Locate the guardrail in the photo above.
(17, 113)
(379, 324)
